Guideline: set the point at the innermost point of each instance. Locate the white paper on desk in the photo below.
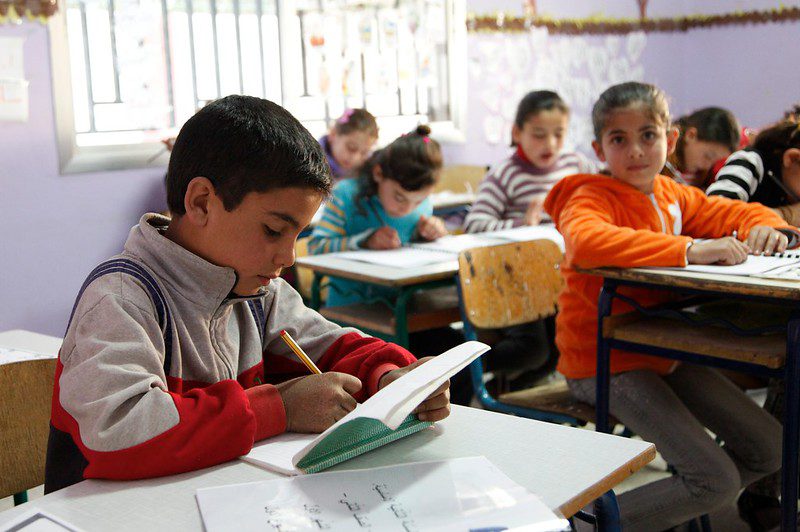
(36, 520)
(457, 494)
(405, 257)
(530, 232)
(754, 265)
(10, 356)
(390, 405)
(457, 243)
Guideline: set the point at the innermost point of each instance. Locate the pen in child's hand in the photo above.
(299, 352)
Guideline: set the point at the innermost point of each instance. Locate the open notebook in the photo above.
(384, 417)
(781, 266)
(447, 248)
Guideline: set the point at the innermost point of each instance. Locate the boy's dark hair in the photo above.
(244, 144)
(413, 160)
(627, 95)
(534, 103)
(792, 114)
(772, 142)
(356, 120)
(713, 124)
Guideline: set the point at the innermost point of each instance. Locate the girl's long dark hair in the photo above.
(413, 160)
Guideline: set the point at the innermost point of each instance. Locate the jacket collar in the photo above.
(203, 283)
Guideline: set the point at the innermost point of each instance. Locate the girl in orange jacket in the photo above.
(636, 217)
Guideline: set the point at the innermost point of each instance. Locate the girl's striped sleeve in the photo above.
(330, 233)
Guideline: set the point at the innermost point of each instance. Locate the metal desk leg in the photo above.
(791, 426)
(315, 291)
(603, 357)
(606, 510)
(401, 315)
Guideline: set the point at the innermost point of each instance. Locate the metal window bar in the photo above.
(192, 55)
(236, 14)
(88, 69)
(113, 36)
(216, 46)
(168, 63)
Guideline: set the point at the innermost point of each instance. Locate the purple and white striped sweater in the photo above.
(508, 188)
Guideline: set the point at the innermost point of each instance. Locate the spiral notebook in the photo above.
(383, 418)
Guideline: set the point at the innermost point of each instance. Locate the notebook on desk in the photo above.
(782, 266)
(383, 418)
(448, 247)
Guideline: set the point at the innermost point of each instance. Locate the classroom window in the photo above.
(136, 71)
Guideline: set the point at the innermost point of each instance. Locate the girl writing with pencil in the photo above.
(386, 207)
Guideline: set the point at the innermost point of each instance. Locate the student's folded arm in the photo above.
(593, 240)
(331, 347)
(716, 216)
(114, 401)
(790, 213)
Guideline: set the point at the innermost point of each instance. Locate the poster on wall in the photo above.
(13, 85)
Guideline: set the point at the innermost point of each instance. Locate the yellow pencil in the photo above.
(299, 352)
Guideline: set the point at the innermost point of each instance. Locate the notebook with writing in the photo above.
(383, 418)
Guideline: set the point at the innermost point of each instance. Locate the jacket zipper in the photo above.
(659, 213)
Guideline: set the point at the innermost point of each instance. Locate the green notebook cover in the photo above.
(354, 438)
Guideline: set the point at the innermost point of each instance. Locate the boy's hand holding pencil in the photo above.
(316, 402)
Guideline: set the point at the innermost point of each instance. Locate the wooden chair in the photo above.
(507, 285)
(26, 389)
(456, 177)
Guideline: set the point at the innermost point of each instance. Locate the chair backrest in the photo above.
(510, 284)
(455, 177)
(26, 390)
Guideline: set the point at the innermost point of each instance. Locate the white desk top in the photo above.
(733, 284)
(330, 264)
(39, 344)
(567, 467)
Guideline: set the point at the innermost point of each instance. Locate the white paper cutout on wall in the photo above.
(13, 85)
(507, 66)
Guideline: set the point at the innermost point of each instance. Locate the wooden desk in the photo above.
(566, 467)
(773, 291)
(406, 281)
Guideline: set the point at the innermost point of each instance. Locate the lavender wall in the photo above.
(744, 68)
(56, 228)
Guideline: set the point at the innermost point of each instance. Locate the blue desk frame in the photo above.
(790, 373)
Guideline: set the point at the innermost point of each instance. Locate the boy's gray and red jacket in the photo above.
(163, 371)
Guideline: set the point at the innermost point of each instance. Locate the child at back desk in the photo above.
(767, 172)
(512, 193)
(636, 217)
(349, 142)
(706, 136)
(386, 207)
(170, 345)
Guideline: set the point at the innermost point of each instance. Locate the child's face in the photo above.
(700, 155)
(352, 149)
(397, 201)
(635, 146)
(257, 238)
(542, 136)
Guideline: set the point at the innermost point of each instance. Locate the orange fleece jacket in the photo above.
(606, 222)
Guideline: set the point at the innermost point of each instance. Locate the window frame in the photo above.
(74, 159)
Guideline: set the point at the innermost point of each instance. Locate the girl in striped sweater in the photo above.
(768, 172)
(512, 194)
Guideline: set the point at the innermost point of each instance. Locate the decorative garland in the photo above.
(15, 10)
(600, 25)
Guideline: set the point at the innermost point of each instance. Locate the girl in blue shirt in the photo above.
(386, 207)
